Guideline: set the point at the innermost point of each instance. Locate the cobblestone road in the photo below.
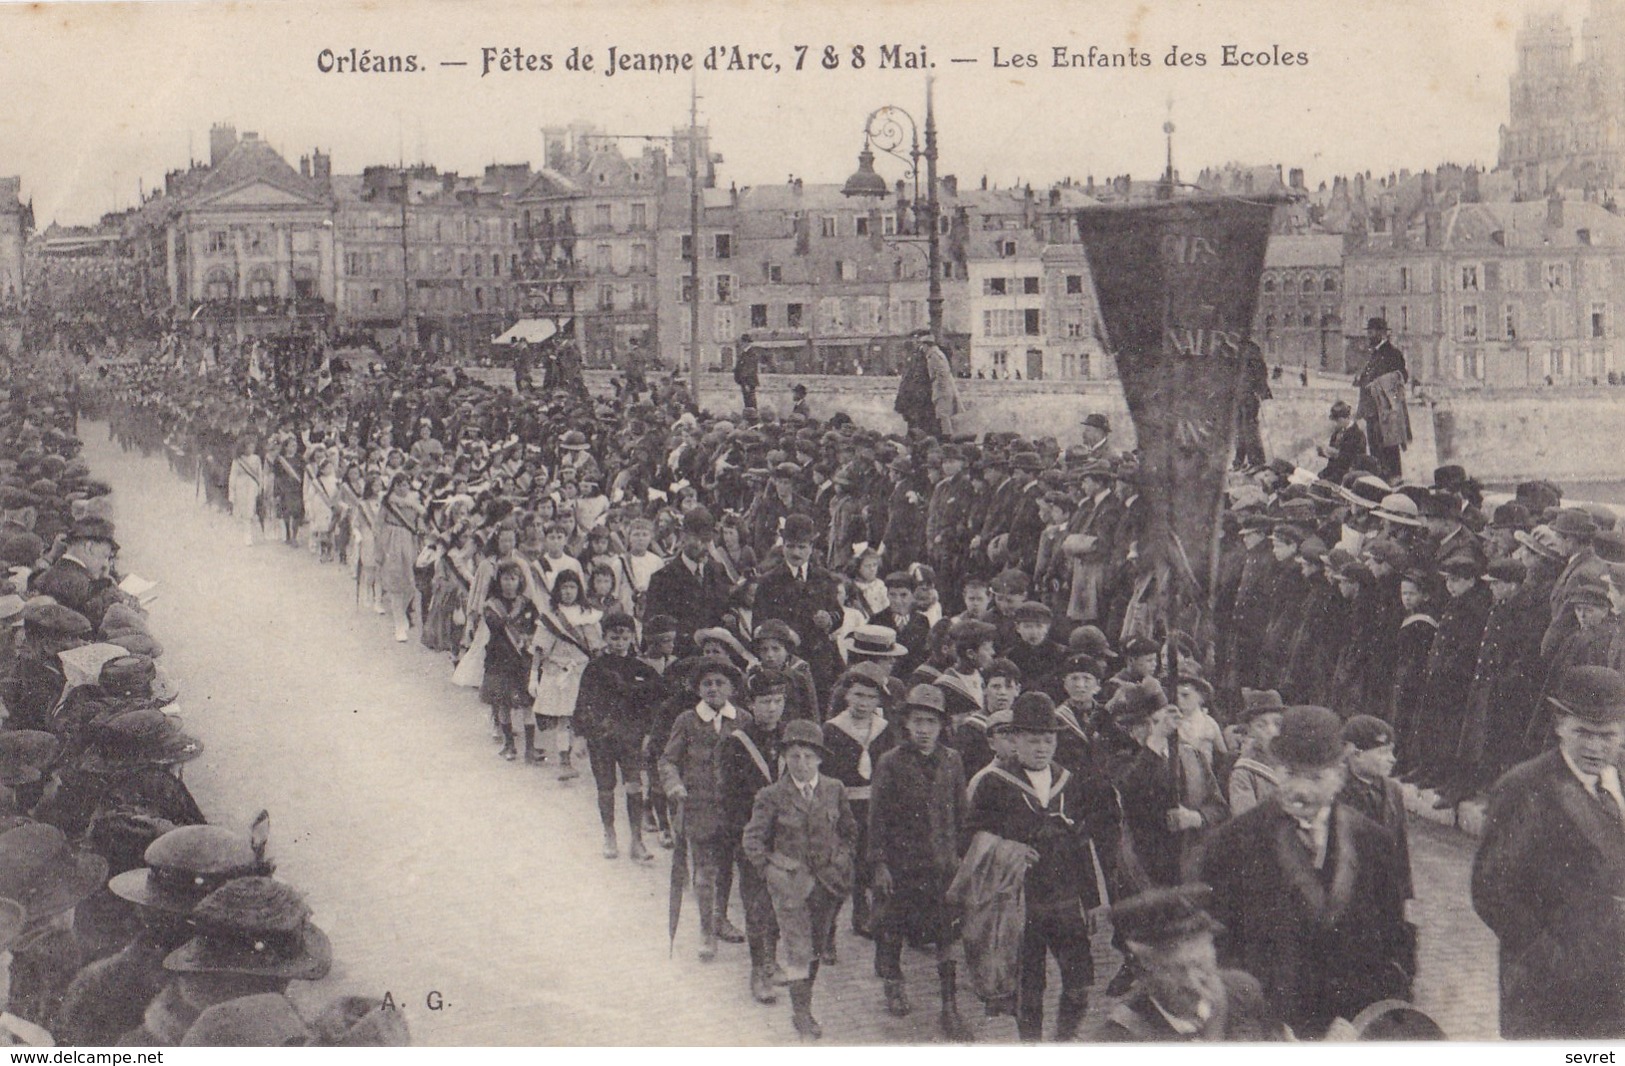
(438, 868)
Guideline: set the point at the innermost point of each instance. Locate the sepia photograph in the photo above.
(914, 523)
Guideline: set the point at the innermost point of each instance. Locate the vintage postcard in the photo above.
(904, 522)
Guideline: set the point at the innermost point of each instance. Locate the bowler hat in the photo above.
(766, 681)
(1593, 693)
(1587, 594)
(1511, 515)
(805, 733)
(255, 926)
(1449, 477)
(43, 873)
(98, 529)
(926, 698)
(1310, 738)
(798, 529)
(1161, 916)
(1034, 712)
(189, 862)
(697, 521)
(1609, 544)
(1376, 324)
(1137, 702)
(1367, 731)
(1098, 421)
(1461, 566)
(1573, 522)
(1010, 582)
(1089, 640)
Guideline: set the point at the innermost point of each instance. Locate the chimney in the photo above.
(1432, 227)
(222, 139)
(321, 166)
(1055, 197)
(1469, 186)
(1296, 176)
(950, 184)
(1554, 210)
(304, 166)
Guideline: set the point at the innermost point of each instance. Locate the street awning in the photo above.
(531, 330)
(791, 342)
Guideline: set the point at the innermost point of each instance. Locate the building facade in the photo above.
(16, 223)
(1299, 320)
(1506, 294)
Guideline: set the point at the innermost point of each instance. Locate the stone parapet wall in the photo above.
(1570, 435)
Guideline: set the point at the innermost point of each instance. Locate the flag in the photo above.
(1177, 284)
(324, 372)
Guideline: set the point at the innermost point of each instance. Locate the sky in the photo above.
(101, 100)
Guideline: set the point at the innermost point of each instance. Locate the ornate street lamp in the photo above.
(885, 129)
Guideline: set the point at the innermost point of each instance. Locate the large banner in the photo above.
(1177, 283)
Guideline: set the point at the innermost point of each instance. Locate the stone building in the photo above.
(458, 238)
(16, 223)
(1499, 294)
(1299, 321)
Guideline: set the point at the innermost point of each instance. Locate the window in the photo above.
(1469, 278)
(602, 218)
(1469, 322)
(792, 316)
(640, 216)
(1557, 276)
(1556, 363)
(830, 316)
(1308, 320)
(758, 316)
(1001, 361)
(640, 296)
(1329, 284)
(1029, 286)
(377, 297)
(496, 265)
(688, 246)
(686, 291)
(606, 297)
(826, 226)
(993, 286)
(863, 225)
(1074, 284)
(640, 257)
(1404, 319)
(1510, 322)
(219, 241)
(1007, 249)
(604, 258)
(724, 244)
(722, 324)
(462, 264)
(1269, 285)
(1470, 366)
(352, 263)
(845, 270)
(479, 298)
(775, 273)
(1404, 280)
(724, 287)
(1030, 322)
(1308, 286)
(888, 224)
(217, 286)
(479, 266)
(1599, 320)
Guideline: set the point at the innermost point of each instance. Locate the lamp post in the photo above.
(885, 129)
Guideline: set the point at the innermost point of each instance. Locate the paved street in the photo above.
(437, 867)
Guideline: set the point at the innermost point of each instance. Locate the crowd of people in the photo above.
(127, 917)
(908, 676)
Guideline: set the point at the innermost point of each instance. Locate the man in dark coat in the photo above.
(1252, 606)
(806, 597)
(1068, 821)
(1385, 359)
(904, 535)
(1548, 871)
(916, 820)
(79, 580)
(747, 375)
(947, 524)
(1346, 445)
(692, 588)
(1309, 891)
(1452, 662)
(1507, 679)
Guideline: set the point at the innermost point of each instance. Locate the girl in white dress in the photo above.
(244, 486)
(566, 639)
